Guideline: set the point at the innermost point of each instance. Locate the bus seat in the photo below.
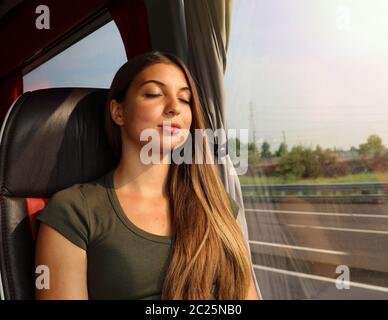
(49, 140)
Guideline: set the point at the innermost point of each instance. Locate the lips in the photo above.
(173, 125)
(170, 127)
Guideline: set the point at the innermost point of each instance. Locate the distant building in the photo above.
(348, 155)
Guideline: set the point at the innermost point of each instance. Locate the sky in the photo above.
(91, 62)
(314, 71)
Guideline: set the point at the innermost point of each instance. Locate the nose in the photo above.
(172, 107)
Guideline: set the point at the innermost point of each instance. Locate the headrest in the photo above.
(53, 138)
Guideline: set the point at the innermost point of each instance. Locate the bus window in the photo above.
(91, 62)
(309, 82)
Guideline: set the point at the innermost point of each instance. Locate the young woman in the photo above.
(147, 230)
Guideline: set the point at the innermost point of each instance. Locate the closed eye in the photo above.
(152, 95)
(185, 101)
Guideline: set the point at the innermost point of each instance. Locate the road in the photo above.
(296, 248)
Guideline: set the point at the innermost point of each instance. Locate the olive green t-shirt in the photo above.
(123, 261)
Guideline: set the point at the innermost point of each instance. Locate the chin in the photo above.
(166, 145)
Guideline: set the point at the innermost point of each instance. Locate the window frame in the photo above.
(73, 36)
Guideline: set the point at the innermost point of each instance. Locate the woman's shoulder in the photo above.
(82, 191)
(76, 199)
(68, 210)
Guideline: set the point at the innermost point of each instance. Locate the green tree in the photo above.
(265, 150)
(291, 165)
(326, 161)
(253, 154)
(282, 150)
(374, 145)
(304, 162)
(311, 163)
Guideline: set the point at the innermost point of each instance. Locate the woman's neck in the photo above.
(142, 180)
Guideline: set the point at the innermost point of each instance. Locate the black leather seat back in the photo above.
(51, 139)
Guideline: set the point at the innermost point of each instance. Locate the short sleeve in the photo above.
(234, 206)
(66, 212)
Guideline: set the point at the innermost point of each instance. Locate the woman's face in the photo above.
(159, 98)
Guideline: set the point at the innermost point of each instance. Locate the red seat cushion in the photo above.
(34, 206)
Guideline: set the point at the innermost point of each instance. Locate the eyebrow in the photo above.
(163, 85)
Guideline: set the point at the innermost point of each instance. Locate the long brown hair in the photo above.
(209, 258)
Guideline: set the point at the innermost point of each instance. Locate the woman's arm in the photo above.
(67, 265)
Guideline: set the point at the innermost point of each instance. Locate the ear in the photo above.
(117, 112)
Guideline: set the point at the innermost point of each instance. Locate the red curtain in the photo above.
(131, 19)
(10, 88)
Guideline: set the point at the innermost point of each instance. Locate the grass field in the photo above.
(355, 178)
